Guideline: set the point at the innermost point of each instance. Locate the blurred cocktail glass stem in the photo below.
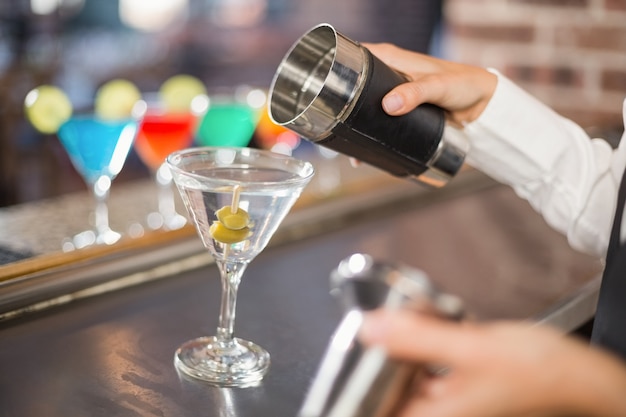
(162, 132)
(101, 190)
(166, 217)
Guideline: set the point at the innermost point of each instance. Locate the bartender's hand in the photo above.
(462, 90)
(501, 369)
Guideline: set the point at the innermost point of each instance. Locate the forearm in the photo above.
(548, 160)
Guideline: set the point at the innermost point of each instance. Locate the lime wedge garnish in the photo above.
(47, 107)
(178, 92)
(115, 99)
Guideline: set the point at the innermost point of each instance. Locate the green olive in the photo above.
(233, 221)
(223, 234)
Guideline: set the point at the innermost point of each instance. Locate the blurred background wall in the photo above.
(80, 44)
(570, 53)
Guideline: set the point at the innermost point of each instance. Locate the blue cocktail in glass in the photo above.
(98, 149)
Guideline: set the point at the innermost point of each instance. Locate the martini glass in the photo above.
(98, 149)
(261, 186)
(161, 132)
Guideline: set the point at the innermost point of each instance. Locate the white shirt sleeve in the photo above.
(571, 179)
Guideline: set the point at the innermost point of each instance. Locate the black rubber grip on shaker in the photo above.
(400, 145)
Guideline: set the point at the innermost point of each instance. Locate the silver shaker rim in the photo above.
(401, 286)
(316, 82)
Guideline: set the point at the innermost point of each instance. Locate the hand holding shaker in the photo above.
(355, 381)
(329, 90)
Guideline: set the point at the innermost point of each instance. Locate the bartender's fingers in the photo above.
(405, 61)
(419, 338)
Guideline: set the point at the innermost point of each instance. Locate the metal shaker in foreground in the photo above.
(355, 381)
(329, 90)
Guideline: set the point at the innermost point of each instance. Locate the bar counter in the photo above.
(97, 337)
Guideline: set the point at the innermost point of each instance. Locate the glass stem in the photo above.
(163, 178)
(231, 273)
(101, 212)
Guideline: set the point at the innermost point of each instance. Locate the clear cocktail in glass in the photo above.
(237, 198)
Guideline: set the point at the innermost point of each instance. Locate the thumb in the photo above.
(407, 96)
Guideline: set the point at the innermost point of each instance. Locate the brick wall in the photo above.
(569, 53)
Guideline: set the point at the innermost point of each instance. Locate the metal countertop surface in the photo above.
(112, 354)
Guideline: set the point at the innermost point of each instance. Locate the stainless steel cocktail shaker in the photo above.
(329, 90)
(357, 381)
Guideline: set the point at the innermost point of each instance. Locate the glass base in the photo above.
(237, 363)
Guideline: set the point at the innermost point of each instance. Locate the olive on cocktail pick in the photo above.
(233, 223)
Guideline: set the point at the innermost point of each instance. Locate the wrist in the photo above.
(484, 82)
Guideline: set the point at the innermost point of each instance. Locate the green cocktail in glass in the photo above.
(231, 118)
